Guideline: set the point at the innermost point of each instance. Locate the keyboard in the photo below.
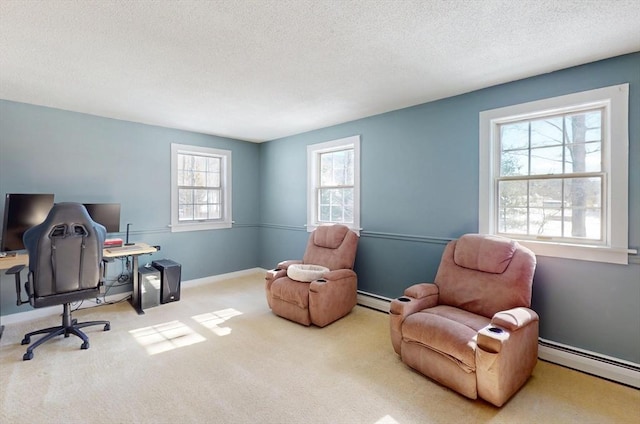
(122, 249)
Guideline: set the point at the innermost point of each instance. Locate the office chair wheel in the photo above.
(27, 356)
(25, 341)
(107, 327)
(85, 345)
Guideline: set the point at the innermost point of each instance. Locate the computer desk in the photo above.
(134, 251)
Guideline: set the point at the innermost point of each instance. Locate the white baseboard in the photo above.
(604, 366)
(373, 301)
(593, 363)
(215, 278)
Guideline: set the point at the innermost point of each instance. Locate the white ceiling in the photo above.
(258, 70)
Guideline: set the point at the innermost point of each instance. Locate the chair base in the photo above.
(69, 326)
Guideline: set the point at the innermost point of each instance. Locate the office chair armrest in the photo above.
(15, 270)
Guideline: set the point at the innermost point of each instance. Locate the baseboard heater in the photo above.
(593, 363)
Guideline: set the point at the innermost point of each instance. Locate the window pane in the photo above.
(545, 222)
(583, 197)
(200, 212)
(213, 179)
(199, 163)
(185, 196)
(185, 212)
(215, 212)
(515, 162)
(213, 164)
(199, 196)
(326, 169)
(324, 214)
(336, 205)
(545, 193)
(514, 136)
(336, 168)
(214, 196)
(547, 160)
(546, 132)
(512, 193)
(512, 220)
(349, 165)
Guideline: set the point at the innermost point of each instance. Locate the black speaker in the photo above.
(149, 286)
(170, 274)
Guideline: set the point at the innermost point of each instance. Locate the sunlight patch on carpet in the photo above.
(167, 336)
(212, 320)
(387, 419)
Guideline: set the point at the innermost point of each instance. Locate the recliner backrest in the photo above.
(65, 251)
(485, 274)
(332, 246)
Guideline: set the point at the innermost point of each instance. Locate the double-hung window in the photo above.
(333, 192)
(200, 188)
(554, 174)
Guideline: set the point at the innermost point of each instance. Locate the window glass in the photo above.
(554, 174)
(201, 181)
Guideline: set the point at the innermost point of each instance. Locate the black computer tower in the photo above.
(149, 284)
(170, 274)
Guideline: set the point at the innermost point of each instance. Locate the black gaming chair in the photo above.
(65, 266)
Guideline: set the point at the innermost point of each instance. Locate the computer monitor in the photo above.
(21, 212)
(107, 214)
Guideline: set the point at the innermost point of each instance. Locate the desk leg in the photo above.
(136, 301)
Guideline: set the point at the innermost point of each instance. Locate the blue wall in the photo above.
(85, 158)
(419, 171)
(419, 190)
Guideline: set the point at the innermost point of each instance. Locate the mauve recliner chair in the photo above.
(326, 296)
(472, 330)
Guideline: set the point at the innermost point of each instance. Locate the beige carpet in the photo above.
(220, 356)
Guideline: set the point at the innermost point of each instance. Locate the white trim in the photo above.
(227, 220)
(615, 99)
(313, 151)
(373, 301)
(593, 363)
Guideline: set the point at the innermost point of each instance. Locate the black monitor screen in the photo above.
(21, 212)
(107, 214)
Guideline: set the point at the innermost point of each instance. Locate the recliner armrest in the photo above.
(416, 298)
(514, 319)
(338, 274)
(506, 353)
(285, 264)
(274, 274)
(493, 336)
(421, 290)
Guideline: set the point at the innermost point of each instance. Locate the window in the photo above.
(554, 174)
(333, 192)
(200, 188)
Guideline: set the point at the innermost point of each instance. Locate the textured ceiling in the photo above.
(264, 69)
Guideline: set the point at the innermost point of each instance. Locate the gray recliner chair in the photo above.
(65, 266)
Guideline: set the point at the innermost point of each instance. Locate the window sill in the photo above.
(580, 252)
(199, 226)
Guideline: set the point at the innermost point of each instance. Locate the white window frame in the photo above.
(313, 179)
(615, 160)
(225, 156)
